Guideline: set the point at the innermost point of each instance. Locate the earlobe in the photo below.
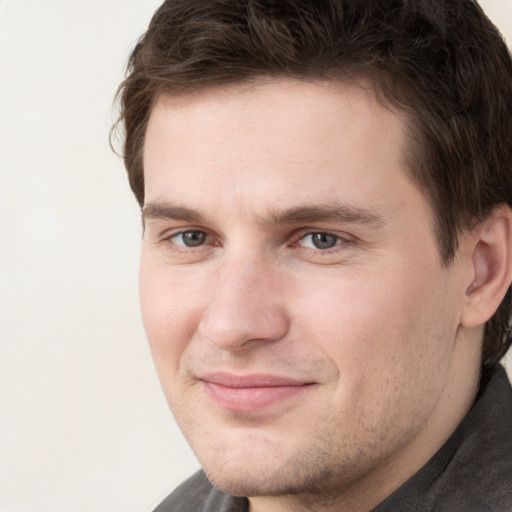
(491, 265)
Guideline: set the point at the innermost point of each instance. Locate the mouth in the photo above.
(251, 392)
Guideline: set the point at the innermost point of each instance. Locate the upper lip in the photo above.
(231, 380)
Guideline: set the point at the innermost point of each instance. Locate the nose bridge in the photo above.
(246, 304)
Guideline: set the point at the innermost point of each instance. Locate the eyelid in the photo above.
(169, 234)
(165, 232)
(342, 237)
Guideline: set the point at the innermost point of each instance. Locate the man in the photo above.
(326, 265)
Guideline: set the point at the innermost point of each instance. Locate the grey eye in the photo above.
(320, 241)
(190, 238)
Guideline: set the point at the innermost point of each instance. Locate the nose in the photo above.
(246, 306)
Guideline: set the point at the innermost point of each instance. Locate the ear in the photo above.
(491, 262)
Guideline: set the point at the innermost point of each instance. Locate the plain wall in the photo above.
(83, 423)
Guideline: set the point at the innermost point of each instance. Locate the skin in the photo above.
(376, 331)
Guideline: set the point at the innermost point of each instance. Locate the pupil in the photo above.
(324, 240)
(193, 238)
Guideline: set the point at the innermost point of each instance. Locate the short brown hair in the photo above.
(441, 62)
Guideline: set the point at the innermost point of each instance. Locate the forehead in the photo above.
(278, 141)
(285, 104)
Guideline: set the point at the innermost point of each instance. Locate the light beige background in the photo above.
(83, 424)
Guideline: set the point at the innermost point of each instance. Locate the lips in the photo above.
(251, 392)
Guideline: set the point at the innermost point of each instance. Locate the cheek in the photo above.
(379, 323)
(347, 313)
(171, 310)
(389, 340)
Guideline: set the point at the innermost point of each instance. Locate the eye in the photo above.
(189, 238)
(320, 241)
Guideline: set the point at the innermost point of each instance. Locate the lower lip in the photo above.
(250, 399)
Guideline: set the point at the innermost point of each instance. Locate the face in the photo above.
(299, 316)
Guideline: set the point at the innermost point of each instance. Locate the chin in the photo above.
(249, 484)
(291, 477)
(245, 475)
(237, 486)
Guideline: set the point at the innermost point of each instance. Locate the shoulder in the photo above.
(481, 471)
(479, 476)
(473, 470)
(200, 495)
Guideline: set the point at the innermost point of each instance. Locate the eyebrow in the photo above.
(337, 212)
(331, 212)
(164, 210)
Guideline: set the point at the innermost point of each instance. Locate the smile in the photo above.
(250, 393)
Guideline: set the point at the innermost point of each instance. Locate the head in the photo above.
(443, 64)
(332, 278)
